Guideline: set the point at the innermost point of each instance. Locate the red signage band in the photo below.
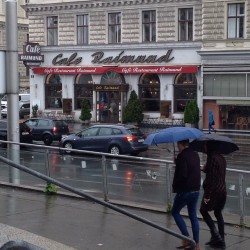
(122, 70)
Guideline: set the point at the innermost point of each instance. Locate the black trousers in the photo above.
(217, 204)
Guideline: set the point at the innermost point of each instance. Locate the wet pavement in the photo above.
(63, 222)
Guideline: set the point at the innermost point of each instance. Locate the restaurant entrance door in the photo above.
(109, 104)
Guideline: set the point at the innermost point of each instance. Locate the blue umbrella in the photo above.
(173, 134)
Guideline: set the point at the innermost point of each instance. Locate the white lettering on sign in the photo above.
(31, 58)
(33, 49)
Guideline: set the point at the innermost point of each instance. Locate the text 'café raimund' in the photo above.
(164, 79)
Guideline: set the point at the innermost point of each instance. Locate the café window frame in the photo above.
(82, 22)
(114, 27)
(185, 89)
(236, 20)
(149, 26)
(52, 30)
(53, 92)
(149, 92)
(185, 24)
(83, 88)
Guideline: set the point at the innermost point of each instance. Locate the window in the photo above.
(225, 85)
(236, 20)
(114, 28)
(83, 88)
(82, 29)
(149, 26)
(105, 131)
(112, 77)
(185, 20)
(149, 92)
(185, 89)
(89, 132)
(53, 92)
(52, 30)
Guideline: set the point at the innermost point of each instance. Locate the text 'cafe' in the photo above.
(106, 80)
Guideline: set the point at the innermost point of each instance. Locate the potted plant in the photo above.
(85, 115)
(133, 112)
(34, 110)
(191, 114)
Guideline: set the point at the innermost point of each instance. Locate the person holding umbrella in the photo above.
(215, 194)
(214, 185)
(186, 185)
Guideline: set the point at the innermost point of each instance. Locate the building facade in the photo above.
(102, 50)
(225, 58)
(168, 51)
(22, 39)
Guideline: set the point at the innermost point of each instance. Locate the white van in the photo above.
(22, 98)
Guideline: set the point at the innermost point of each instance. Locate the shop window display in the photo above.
(149, 92)
(83, 88)
(53, 92)
(185, 89)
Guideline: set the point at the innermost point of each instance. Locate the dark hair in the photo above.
(184, 142)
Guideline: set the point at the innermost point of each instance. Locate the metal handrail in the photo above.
(167, 162)
(90, 197)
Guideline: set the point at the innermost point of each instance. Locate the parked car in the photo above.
(114, 139)
(24, 109)
(25, 133)
(22, 98)
(47, 130)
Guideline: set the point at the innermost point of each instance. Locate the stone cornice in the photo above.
(69, 6)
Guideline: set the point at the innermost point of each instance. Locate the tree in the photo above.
(191, 112)
(85, 110)
(34, 110)
(134, 110)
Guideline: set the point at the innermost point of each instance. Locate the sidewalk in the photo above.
(61, 222)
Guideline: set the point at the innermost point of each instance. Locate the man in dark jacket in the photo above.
(186, 185)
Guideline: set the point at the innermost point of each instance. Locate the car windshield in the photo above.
(60, 123)
(23, 127)
(135, 131)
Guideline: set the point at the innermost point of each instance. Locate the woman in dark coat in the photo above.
(215, 194)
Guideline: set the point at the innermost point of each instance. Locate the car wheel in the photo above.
(2, 144)
(115, 150)
(47, 139)
(68, 145)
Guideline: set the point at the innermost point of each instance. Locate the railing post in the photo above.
(105, 180)
(242, 201)
(168, 184)
(47, 162)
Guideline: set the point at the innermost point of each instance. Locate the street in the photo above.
(137, 181)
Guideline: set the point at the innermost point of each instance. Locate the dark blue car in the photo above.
(114, 139)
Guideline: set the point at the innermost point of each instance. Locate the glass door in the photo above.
(108, 106)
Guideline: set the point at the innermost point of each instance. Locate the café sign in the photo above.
(122, 70)
(31, 54)
(110, 87)
(99, 57)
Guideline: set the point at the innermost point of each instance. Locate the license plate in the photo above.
(140, 140)
(25, 133)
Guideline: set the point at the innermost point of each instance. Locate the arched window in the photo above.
(149, 92)
(112, 77)
(83, 88)
(53, 92)
(185, 89)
